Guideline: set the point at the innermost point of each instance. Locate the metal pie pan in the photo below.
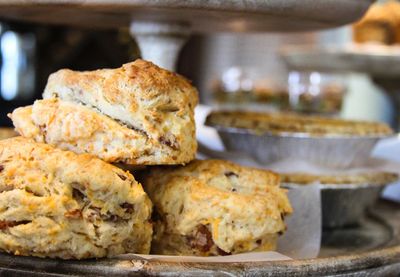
(328, 150)
(345, 205)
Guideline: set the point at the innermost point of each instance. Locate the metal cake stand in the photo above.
(161, 27)
(376, 60)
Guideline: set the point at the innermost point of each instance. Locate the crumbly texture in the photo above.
(75, 127)
(375, 178)
(215, 207)
(278, 123)
(58, 204)
(137, 114)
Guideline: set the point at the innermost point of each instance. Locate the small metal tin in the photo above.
(345, 204)
(331, 151)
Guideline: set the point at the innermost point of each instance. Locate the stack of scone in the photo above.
(60, 196)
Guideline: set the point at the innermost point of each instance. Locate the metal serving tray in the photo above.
(371, 248)
(202, 15)
(376, 60)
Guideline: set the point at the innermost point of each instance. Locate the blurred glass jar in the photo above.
(234, 86)
(246, 87)
(316, 92)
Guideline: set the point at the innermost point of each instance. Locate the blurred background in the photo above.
(230, 70)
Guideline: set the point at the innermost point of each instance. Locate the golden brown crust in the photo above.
(376, 178)
(203, 208)
(138, 114)
(56, 203)
(278, 123)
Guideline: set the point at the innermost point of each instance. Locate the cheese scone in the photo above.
(138, 114)
(59, 204)
(215, 207)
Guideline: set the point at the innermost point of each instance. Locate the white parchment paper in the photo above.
(303, 236)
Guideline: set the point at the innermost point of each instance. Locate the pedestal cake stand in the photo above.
(161, 28)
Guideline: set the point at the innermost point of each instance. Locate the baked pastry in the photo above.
(138, 114)
(378, 25)
(357, 178)
(203, 208)
(281, 123)
(59, 204)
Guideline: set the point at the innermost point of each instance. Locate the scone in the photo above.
(138, 114)
(378, 25)
(215, 207)
(58, 204)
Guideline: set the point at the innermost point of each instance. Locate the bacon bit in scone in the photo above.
(202, 239)
(1, 168)
(259, 241)
(231, 174)
(123, 178)
(4, 224)
(128, 207)
(170, 142)
(73, 214)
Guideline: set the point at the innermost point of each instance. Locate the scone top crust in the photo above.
(137, 114)
(239, 205)
(290, 123)
(139, 94)
(56, 203)
(361, 178)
